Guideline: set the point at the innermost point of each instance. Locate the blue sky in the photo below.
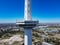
(45, 11)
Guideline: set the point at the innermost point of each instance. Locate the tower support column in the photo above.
(27, 36)
(27, 10)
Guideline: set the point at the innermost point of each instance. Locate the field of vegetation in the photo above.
(39, 35)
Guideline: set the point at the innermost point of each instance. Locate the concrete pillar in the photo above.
(27, 11)
(27, 36)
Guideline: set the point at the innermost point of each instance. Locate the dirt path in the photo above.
(12, 39)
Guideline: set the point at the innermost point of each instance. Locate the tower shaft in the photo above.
(28, 36)
(27, 10)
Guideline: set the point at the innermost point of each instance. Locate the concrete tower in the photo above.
(28, 23)
(27, 11)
